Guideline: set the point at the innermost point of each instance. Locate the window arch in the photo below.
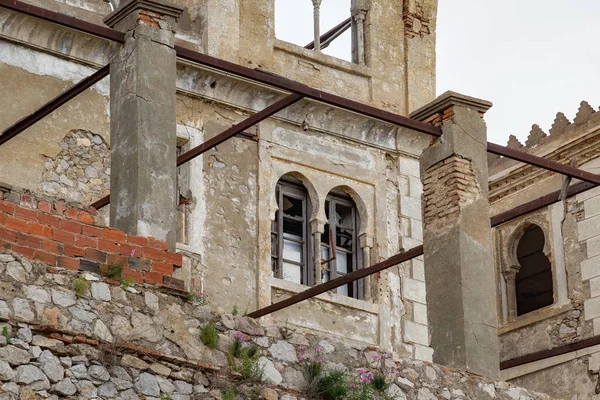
(291, 252)
(533, 281)
(341, 231)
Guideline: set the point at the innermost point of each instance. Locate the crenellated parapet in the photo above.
(565, 142)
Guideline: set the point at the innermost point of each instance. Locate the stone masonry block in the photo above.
(414, 290)
(408, 243)
(590, 268)
(416, 229)
(410, 207)
(416, 187)
(588, 228)
(416, 333)
(594, 363)
(593, 246)
(418, 270)
(592, 207)
(591, 308)
(595, 287)
(588, 194)
(423, 353)
(410, 166)
(420, 313)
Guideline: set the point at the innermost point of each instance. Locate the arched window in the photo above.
(342, 230)
(533, 282)
(291, 253)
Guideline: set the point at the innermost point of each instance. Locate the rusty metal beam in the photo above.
(294, 87)
(64, 20)
(539, 203)
(342, 280)
(306, 91)
(53, 104)
(543, 163)
(225, 135)
(332, 34)
(544, 354)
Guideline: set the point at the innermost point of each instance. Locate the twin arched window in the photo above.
(293, 245)
(533, 281)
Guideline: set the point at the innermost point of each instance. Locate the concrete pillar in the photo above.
(143, 124)
(459, 269)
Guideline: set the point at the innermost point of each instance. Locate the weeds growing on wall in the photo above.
(80, 286)
(340, 385)
(5, 334)
(243, 358)
(113, 272)
(209, 335)
(198, 298)
(127, 283)
(230, 394)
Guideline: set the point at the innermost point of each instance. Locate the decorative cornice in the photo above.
(161, 7)
(448, 100)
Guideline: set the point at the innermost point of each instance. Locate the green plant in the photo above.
(379, 383)
(113, 271)
(209, 335)
(165, 396)
(80, 285)
(127, 282)
(230, 394)
(243, 358)
(331, 385)
(235, 348)
(313, 370)
(5, 334)
(199, 298)
(235, 310)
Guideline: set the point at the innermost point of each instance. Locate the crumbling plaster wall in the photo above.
(373, 159)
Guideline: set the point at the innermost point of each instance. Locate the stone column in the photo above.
(510, 276)
(366, 244)
(358, 11)
(317, 23)
(459, 268)
(143, 124)
(317, 228)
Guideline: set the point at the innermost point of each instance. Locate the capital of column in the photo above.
(158, 14)
(510, 273)
(445, 102)
(317, 225)
(365, 240)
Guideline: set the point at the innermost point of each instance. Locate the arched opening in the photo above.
(291, 253)
(341, 232)
(533, 283)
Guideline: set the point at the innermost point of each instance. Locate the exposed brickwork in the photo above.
(448, 186)
(65, 237)
(149, 18)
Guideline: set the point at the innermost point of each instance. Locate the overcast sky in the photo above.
(531, 58)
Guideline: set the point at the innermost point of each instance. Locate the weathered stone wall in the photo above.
(570, 229)
(106, 341)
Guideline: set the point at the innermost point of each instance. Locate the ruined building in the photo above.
(199, 169)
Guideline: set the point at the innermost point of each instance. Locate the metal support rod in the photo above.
(539, 203)
(64, 20)
(331, 34)
(417, 251)
(225, 135)
(342, 280)
(295, 87)
(53, 104)
(543, 163)
(300, 88)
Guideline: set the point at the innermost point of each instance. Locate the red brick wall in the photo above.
(67, 238)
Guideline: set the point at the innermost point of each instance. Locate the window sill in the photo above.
(329, 297)
(533, 317)
(321, 58)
